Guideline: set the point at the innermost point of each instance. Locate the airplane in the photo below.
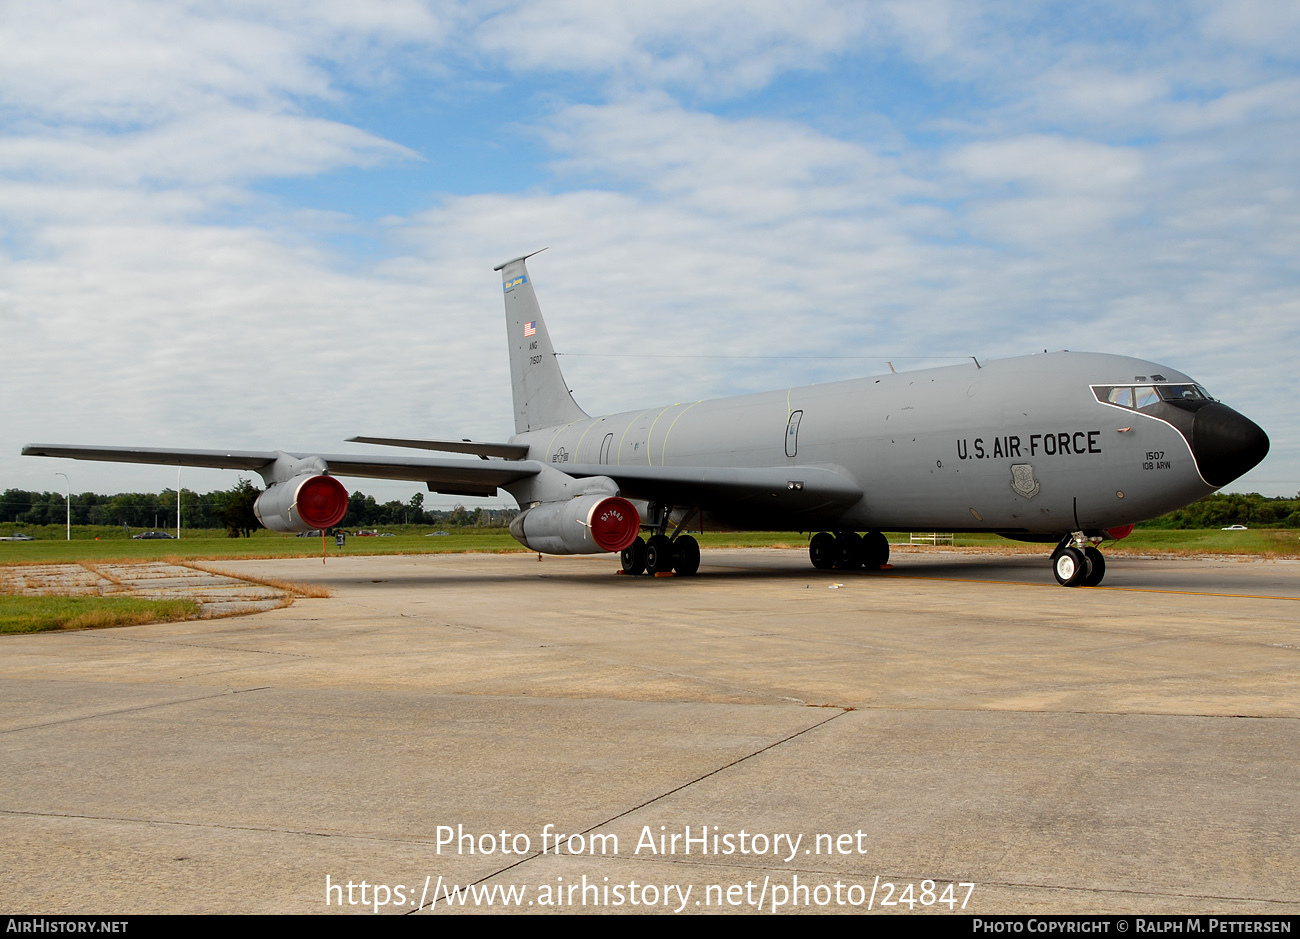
(1062, 448)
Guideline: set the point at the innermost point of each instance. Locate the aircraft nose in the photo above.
(1226, 444)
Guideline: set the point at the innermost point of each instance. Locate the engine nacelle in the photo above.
(591, 524)
(302, 504)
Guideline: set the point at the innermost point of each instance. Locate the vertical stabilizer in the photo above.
(541, 396)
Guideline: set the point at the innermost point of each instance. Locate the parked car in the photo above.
(1234, 528)
(364, 533)
(152, 536)
(18, 536)
(437, 533)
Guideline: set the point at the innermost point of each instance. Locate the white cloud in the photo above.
(215, 145)
(1086, 198)
(1256, 24)
(135, 61)
(717, 47)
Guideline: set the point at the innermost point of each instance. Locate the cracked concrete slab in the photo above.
(1121, 750)
(216, 594)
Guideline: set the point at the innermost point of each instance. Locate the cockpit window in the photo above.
(1142, 396)
(1181, 392)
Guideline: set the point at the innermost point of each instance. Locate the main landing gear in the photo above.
(1076, 562)
(662, 555)
(848, 551)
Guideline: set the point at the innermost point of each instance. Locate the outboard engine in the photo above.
(303, 503)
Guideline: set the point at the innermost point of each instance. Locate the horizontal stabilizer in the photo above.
(509, 451)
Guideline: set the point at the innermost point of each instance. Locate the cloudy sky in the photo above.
(273, 225)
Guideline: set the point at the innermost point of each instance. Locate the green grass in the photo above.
(114, 545)
(1264, 542)
(1269, 542)
(39, 614)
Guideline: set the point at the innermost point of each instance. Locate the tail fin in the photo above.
(541, 396)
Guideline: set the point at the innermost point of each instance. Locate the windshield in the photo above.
(1141, 396)
(1182, 392)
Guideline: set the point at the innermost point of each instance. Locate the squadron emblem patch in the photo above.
(1022, 480)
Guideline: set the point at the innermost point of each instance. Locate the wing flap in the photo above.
(452, 476)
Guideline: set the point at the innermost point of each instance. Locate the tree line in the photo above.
(231, 509)
(1233, 508)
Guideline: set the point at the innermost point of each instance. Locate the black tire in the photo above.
(1070, 566)
(1096, 567)
(688, 555)
(659, 555)
(633, 558)
(875, 550)
(848, 553)
(821, 550)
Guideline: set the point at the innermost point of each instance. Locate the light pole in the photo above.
(178, 502)
(68, 500)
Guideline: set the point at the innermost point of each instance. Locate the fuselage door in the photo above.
(604, 448)
(792, 434)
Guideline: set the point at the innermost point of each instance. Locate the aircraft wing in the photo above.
(452, 476)
(780, 488)
(784, 489)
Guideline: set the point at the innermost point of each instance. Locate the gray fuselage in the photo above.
(930, 449)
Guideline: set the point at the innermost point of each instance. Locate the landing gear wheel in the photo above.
(848, 555)
(1070, 566)
(875, 550)
(1096, 567)
(688, 555)
(659, 555)
(821, 550)
(633, 558)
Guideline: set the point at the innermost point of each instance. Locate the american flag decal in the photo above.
(530, 329)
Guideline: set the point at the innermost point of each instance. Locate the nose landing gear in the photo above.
(1076, 562)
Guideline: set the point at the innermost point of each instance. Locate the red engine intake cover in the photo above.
(322, 502)
(1122, 532)
(614, 523)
